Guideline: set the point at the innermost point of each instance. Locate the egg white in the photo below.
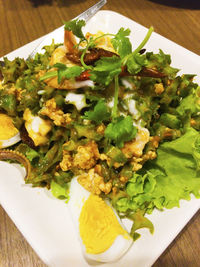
(78, 196)
(11, 141)
(9, 134)
(36, 127)
(76, 99)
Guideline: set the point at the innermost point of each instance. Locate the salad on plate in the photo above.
(111, 130)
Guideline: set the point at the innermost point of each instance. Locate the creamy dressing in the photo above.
(76, 99)
(110, 104)
(127, 84)
(36, 123)
(87, 83)
(131, 105)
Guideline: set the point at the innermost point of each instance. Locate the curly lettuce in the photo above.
(172, 176)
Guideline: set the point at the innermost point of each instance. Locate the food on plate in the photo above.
(103, 125)
(9, 134)
(101, 233)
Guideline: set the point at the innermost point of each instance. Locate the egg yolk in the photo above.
(98, 225)
(7, 129)
(102, 42)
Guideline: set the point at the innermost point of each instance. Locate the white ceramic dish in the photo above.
(46, 223)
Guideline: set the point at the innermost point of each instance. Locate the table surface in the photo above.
(22, 21)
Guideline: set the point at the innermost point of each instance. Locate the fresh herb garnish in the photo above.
(48, 75)
(135, 61)
(76, 27)
(106, 69)
(67, 72)
(121, 130)
(99, 114)
(121, 42)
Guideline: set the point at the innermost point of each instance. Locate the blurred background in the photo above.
(22, 21)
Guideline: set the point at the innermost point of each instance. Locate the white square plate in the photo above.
(45, 222)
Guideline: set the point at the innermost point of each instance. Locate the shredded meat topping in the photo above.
(86, 156)
(101, 128)
(91, 56)
(94, 183)
(136, 146)
(137, 163)
(159, 88)
(67, 162)
(57, 115)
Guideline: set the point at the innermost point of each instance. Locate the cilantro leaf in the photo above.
(121, 130)
(135, 63)
(121, 43)
(99, 114)
(108, 64)
(48, 75)
(76, 27)
(67, 72)
(105, 69)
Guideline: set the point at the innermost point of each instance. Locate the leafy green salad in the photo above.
(121, 120)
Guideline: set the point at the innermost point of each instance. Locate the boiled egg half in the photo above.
(9, 134)
(102, 236)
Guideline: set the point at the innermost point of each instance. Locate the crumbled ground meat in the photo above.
(136, 146)
(67, 162)
(94, 183)
(133, 150)
(109, 161)
(13, 91)
(57, 115)
(101, 128)
(86, 156)
(159, 88)
(154, 140)
(192, 122)
(123, 179)
(137, 163)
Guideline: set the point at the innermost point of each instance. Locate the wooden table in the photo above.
(22, 21)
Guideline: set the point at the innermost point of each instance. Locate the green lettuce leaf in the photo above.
(190, 105)
(163, 182)
(176, 170)
(31, 154)
(140, 221)
(196, 152)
